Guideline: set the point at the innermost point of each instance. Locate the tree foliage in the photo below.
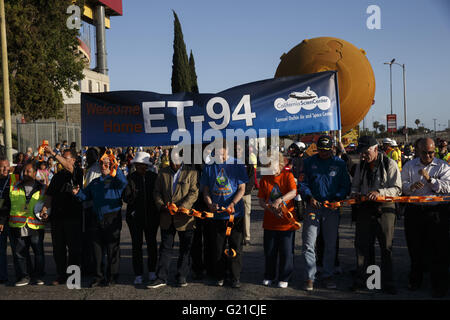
(194, 85)
(41, 55)
(181, 76)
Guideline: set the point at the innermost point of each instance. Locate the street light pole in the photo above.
(404, 97)
(435, 127)
(390, 75)
(6, 98)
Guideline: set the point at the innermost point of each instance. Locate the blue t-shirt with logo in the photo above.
(223, 181)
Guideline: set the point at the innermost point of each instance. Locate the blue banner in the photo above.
(289, 105)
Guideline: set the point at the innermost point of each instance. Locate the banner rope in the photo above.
(403, 199)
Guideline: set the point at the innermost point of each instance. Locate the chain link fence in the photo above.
(32, 134)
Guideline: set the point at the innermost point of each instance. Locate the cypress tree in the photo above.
(181, 76)
(194, 85)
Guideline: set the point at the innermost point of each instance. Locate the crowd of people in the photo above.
(80, 194)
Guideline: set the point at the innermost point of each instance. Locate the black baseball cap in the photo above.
(365, 142)
(325, 142)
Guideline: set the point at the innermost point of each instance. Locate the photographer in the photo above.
(66, 214)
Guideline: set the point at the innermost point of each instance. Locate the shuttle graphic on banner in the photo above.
(307, 100)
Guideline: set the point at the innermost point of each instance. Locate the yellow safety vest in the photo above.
(22, 214)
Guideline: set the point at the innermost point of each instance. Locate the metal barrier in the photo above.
(31, 134)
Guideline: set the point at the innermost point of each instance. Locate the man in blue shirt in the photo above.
(223, 185)
(105, 192)
(324, 177)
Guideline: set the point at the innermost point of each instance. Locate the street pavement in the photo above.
(251, 276)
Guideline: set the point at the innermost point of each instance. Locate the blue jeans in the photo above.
(3, 256)
(313, 219)
(21, 253)
(278, 245)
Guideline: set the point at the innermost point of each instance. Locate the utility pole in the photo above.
(435, 127)
(6, 99)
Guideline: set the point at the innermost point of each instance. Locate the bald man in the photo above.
(427, 224)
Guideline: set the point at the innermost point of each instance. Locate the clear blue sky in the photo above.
(240, 41)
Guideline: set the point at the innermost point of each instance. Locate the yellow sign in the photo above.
(351, 137)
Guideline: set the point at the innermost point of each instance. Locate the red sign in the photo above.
(391, 122)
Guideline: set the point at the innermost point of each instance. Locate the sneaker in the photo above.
(22, 282)
(329, 283)
(152, 276)
(282, 284)
(267, 282)
(181, 282)
(309, 285)
(219, 283)
(156, 284)
(39, 282)
(235, 284)
(138, 280)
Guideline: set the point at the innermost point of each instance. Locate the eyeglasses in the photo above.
(430, 153)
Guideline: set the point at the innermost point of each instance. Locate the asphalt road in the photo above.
(251, 276)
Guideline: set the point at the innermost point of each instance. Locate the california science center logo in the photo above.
(307, 100)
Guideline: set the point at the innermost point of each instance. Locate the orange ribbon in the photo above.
(113, 163)
(404, 199)
(173, 210)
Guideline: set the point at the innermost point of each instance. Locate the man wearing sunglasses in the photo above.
(426, 224)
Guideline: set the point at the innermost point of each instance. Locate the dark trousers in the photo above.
(222, 263)
(87, 258)
(278, 250)
(138, 230)
(66, 239)
(20, 247)
(3, 256)
(201, 251)
(106, 236)
(427, 237)
(371, 225)
(167, 238)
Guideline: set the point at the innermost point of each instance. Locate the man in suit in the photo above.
(176, 184)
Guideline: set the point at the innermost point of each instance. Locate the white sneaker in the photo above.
(282, 284)
(138, 280)
(152, 276)
(267, 282)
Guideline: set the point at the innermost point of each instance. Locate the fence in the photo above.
(32, 134)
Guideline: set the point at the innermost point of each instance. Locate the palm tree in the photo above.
(376, 125)
(417, 122)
